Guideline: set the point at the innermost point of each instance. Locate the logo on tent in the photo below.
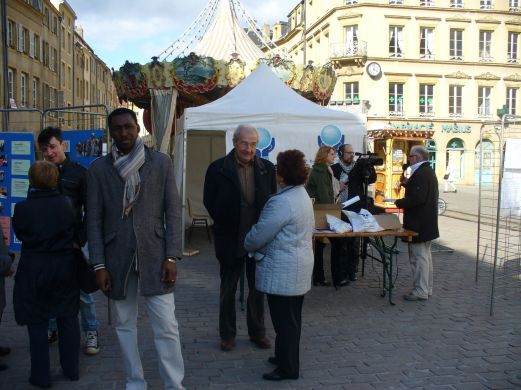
(266, 143)
(331, 136)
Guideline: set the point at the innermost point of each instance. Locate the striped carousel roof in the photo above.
(225, 37)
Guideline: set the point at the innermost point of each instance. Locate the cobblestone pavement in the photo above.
(351, 338)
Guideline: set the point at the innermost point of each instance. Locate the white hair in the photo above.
(242, 128)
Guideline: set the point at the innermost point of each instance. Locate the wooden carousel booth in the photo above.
(392, 145)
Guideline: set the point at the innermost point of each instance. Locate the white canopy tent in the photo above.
(285, 120)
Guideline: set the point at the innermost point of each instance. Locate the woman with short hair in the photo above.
(46, 282)
(281, 243)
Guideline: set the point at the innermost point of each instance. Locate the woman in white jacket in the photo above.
(281, 242)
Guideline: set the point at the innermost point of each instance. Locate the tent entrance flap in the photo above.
(203, 147)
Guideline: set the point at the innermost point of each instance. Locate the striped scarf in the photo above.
(344, 195)
(128, 168)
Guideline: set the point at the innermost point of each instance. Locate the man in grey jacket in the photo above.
(134, 234)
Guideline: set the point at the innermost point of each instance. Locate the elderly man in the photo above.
(134, 231)
(236, 188)
(420, 214)
(351, 176)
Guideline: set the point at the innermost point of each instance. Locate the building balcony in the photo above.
(348, 52)
(512, 60)
(485, 56)
(396, 114)
(427, 114)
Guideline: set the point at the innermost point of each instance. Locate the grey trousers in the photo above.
(420, 257)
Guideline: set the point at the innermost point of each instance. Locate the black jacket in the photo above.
(355, 186)
(420, 204)
(73, 184)
(46, 283)
(222, 199)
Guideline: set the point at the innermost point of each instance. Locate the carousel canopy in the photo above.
(211, 57)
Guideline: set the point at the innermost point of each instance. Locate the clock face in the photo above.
(373, 69)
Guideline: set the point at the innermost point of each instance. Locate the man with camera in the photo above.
(353, 177)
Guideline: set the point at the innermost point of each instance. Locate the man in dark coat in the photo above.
(72, 183)
(236, 188)
(420, 214)
(6, 269)
(351, 175)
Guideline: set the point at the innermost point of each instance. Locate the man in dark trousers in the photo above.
(420, 214)
(351, 176)
(72, 183)
(236, 188)
(6, 269)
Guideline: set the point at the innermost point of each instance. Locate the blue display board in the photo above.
(83, 146)
(16, 157)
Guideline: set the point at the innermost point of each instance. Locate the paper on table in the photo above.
(349, 202)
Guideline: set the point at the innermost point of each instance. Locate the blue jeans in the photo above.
(87, 313)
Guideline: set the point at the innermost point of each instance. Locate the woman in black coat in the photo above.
(46, 282)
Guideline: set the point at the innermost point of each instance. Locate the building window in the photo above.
(36, 87)
(515, 5)
(485, 45)
(23, 90)
(513, 47)
(36, 45)
(512, 101)
(456, 44)
(426, 42)
(395, 99)
(11, 33)
(351, 40)
(10, 83)
(455, 100)
(484, 104)
(395, 41)
(62, 38)
(426, 99)
(456, 3)
(46, 17)
(351, 93)
(485, 4)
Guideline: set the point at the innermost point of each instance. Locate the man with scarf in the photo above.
(134, 232)
(351, 177)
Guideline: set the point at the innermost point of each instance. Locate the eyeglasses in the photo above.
(246, 145)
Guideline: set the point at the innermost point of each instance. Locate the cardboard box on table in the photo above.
(320, 214)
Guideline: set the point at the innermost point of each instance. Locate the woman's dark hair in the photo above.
(43, 175)
(291, 166)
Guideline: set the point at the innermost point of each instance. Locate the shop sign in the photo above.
(412, 126)
(456, 129)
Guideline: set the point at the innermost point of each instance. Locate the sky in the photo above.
(136, 30)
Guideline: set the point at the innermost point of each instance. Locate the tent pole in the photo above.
(183, 194)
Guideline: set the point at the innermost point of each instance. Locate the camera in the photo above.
(369, 159)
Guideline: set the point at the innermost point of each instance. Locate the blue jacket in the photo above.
(282, 242)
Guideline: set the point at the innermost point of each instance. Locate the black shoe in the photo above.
(5, 351)
(3, 367)
(40, 385)
(277, 375)
(324, 283)
(343, 283)
(353, 278)
(52, 336)
(273, 360)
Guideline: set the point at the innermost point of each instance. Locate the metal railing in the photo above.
(348, 50)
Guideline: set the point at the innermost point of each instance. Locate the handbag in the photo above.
(86, 274)
(446, 176)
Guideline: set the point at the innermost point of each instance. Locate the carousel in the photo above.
(213, 55)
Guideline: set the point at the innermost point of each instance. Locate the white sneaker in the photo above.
(91, 342)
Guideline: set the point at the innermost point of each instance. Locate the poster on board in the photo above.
(83, 146)
(16, 157)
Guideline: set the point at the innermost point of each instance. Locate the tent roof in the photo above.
(225, 36)
(260, 96)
